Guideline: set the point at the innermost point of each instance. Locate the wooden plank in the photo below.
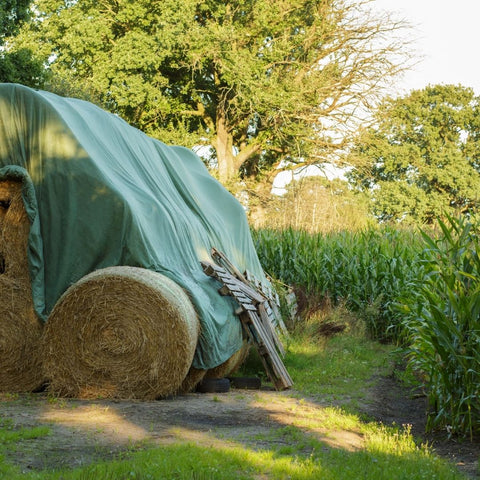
(256, 323)
(232, 286)
(220, 274)
(250, 292)
(220, 257)
(273, 364)
(248, 306)
(269, 327)
(242, 299)
(273, 301)
(243, 281)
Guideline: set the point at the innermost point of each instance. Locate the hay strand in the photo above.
(120, 332)
(20, 328)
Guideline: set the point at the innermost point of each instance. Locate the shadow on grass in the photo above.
(241, 434)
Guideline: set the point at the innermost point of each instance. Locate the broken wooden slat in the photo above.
(274, 366)
(222, 259)
(256, 323)
(269, 327)
(231, 282)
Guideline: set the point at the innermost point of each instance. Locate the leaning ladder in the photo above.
(254, 315)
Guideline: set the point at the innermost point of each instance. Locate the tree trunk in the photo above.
(229, 159)
(224, 147)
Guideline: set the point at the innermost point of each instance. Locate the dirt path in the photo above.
(87, 431)
(392, 403)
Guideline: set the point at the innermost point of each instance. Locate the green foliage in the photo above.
(368, 270)
(422, 157)
(315, 205)
(12, 13)
(254, 79)
(19, 66)
(422, 290)
(443, 326)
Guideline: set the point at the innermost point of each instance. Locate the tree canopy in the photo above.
(12, 12)
(259, 80)
(422, 158)
(19, 66)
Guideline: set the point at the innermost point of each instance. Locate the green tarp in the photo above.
(101, 193)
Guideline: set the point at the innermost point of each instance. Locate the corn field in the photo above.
(368, 271)
(415, 288)
(442, 325)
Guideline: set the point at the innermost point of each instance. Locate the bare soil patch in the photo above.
(87, 431)
(392, 403)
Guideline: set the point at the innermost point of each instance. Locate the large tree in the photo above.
(18, 66)
(259, 80)
(423, 156)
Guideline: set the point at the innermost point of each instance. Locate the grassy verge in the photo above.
(342, 369)
(330, 376)
(388, 456)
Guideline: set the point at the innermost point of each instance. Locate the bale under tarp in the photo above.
(229, 367)
(120, 332)
(20, 328)
(100, 193)
(193, 378)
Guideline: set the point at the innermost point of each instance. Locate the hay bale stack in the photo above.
(120, 332)
(20, 328)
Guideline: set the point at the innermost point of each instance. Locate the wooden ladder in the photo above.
(254, 315)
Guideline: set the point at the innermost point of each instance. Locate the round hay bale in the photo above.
(193, 378)
(120, 332)
(231, 365)
(20, 333)
(20, 328)
(14, 230)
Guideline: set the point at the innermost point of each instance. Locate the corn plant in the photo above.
(367, 271)
(442, 323)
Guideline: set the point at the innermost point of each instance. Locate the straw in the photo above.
(120, 332)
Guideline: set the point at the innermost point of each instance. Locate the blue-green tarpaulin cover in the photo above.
(100, 193)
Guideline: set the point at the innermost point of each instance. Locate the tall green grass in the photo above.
(368, 271)
(442, 323)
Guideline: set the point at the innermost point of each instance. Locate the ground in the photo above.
(393, 403)
(86, 431)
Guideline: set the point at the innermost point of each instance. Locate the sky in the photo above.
(447, 36)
